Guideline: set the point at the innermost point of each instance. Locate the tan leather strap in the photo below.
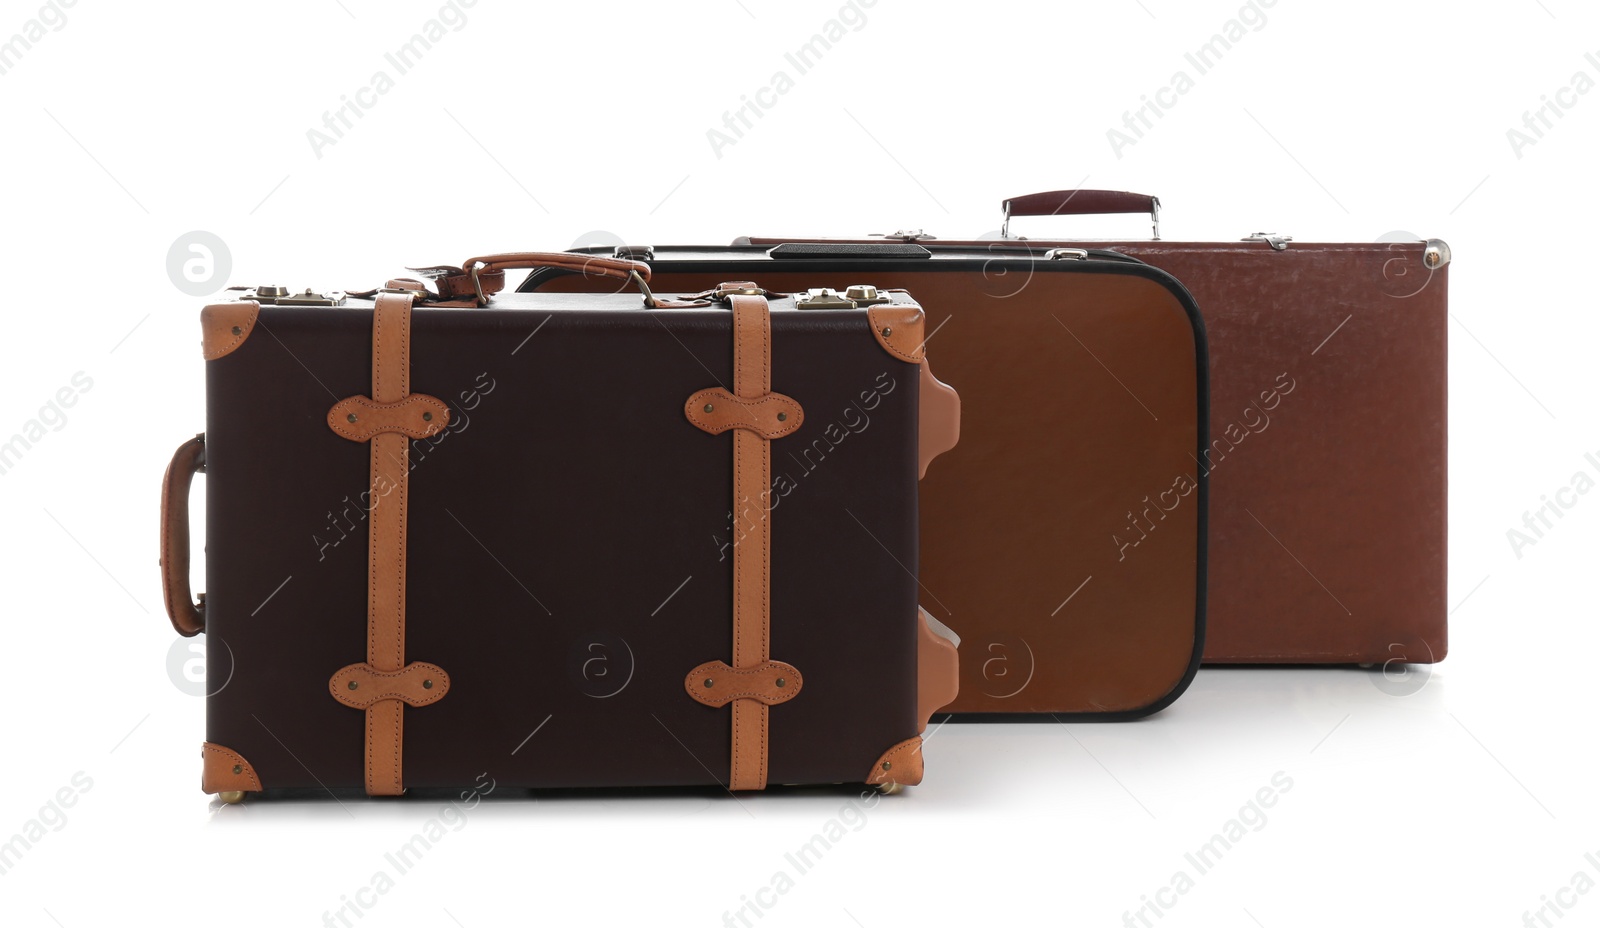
(386, 548)
(752, 465)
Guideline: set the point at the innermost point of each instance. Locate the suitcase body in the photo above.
(1328, 444)
(1065, 540)
(570, 545)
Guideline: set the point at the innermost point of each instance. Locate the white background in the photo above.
(1467, 801)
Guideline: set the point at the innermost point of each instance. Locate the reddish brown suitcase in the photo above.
(1327, 529)
(560, 540)
(1065, 540)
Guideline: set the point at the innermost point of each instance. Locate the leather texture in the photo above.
(417, 416)
(939, 419)
(898, 328)
(1079, 203)
(715, 410)
(752, 553)
(938, 668)
(1023, 524)
(716, 684)
(457, 283)
(1358, 328)
(419, 684)
(223, 769)
(225, 326)
(565, 595)
(188, 615)
(386, 550)
(900, 764)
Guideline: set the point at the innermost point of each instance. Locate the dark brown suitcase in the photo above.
(1328, 517)
(1327, 528)
(1065, 540)
(578, 541)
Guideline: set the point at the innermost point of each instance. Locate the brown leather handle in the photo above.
(620, 268)
(188, 616)
(1081, 203)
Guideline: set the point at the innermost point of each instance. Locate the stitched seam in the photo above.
(239, 759)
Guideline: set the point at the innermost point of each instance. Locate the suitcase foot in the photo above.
(889, 789)
(231, 796)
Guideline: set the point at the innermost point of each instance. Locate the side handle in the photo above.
(188, 615)
(938, 667)
(939, 419)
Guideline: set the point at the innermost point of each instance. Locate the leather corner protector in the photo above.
(716, 684)
(358, 418)
(715, 410)
(225, 326)
(938, 667)
(938, 419)
(226, 770)
(900, 764)
(898, 328)
(360, 687)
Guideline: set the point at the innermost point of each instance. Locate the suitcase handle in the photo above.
(620, 268)
(1081, 203)
(188, 615)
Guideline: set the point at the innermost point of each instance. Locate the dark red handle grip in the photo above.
(1080, 203)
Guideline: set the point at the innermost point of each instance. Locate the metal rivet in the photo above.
(709, 407)
(708, 682)
(427, 417)
(779, 681)
(238, 331)
(783, 417)
(886, 765)
(887, 331)
(354, 684)
(427, 684)
(238, 768)
(351, 417)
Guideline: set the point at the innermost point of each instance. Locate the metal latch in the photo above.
(280, 296)
(904, 235)
(634, 252)
(854, 297)
(1278, 242)
(1066, 254)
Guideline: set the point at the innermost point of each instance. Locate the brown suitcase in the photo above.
(559, 541)
(1327, 528)
(1065, 540)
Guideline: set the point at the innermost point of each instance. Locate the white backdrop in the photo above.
(1461, 796)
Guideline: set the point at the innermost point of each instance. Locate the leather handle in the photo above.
(1081, 203)
(188, 615)
(620, 268)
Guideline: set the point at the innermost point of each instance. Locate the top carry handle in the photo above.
(1082, 203)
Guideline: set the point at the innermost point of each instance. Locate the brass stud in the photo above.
(783, 417)
(887, 765)
(779, 681)
(427, 417)
(427, 684)
(887, 331)
(351, 417)
(709, 683)
(354, 684)
(238, 331)
(710, 407)
(238, 768)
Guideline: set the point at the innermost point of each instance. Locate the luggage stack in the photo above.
(681, 516)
